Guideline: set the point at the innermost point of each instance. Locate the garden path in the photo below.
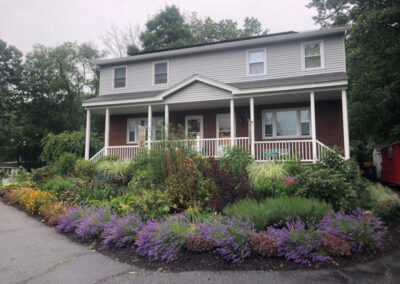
(31, 252)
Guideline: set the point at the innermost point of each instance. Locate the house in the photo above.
(276, 95)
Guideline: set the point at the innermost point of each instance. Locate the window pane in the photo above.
(160, 68)
(305, 128)
(119, 83)
(194, 125)
(314, 61)
(256, 57)
(131, 125)
(268, 118)
(305, 115)
(119, 73)
(312, 49)
(131, 136)
(257, 68)
(268, 130)
(286, 123)
(160, 78)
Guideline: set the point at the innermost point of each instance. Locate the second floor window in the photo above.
(160, 73)
(119, 77)
(313, 55)
(256, 62)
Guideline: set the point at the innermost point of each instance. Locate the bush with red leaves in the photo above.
(198, 243)
(336, 246)
(264, 245)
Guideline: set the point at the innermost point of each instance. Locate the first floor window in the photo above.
(286, 123)
(133, 131)
(194, 127)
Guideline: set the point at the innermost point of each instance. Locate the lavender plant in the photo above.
(93, 224)
(163, 239)
(361, 229)
(68, 221)
(121, 231)
(300, 242)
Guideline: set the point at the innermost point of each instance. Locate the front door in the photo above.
(223, 132)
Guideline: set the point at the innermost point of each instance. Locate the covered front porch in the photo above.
(301, 125)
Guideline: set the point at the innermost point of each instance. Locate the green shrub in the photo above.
(66, 163)
(117, 172)
(388, 210)
(23, 176)
(380, 193)
(85, 193)
(293, 167)
(274, 210)
(85, 169)
(108, 158)
(60, 185)
(261, 172)
(237, 159)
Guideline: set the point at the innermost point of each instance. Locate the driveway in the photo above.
(31, 252)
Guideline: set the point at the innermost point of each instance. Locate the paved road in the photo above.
(31, 252)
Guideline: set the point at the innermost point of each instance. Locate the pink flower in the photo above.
(289, 181)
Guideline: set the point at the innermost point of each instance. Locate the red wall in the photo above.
(328, 115)
(391, 167)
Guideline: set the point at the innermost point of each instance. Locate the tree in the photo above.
(119, 42)
(166, 29)
(374, 71)
(339, 12)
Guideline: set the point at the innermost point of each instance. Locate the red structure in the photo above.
(391, 163)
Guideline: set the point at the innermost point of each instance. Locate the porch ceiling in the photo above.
(266, 99)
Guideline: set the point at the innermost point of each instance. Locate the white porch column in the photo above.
(107, 132)
(345, 126)
(233, 132)
(253, 148)
(313, 128)
(87, 141)
(149, 128)
(166, 121)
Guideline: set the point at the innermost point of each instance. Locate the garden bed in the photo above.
(210, 261)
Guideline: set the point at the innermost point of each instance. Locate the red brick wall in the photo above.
(328, 121)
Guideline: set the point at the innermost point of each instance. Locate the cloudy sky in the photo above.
(50, 22)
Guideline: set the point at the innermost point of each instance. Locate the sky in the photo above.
(24, 23)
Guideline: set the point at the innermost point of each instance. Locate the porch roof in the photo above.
(237, 87)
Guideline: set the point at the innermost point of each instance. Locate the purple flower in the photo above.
(121, 230)
(71, 219)
(92, 224)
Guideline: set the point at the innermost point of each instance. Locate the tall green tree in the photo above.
(339, 12)
(165, 30)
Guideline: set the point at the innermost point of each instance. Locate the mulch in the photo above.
(209, 261)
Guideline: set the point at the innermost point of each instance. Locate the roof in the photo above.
(227, 44)
(249, 85)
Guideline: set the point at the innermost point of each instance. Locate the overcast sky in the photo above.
(50, 22)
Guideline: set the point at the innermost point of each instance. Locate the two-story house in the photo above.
(276, 95)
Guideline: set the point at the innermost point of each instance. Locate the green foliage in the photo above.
(23, 176)
(376, 193)
(274, 210)
(66, 163)
(387, 210)
(85, 169)
(149, 203)
(67, 142)
(85, 193)
(117, 172)
(237, 159)
(132, 49)
(262, 172)
(60, 185)
(293, 167)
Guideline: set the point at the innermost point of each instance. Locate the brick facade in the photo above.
(328, 116)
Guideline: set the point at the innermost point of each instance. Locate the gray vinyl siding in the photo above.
(229, 66)
(198, 92)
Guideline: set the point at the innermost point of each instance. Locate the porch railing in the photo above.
(214, 147)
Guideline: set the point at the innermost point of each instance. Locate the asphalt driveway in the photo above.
(31, 252)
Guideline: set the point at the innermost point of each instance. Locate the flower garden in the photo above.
(179, 210)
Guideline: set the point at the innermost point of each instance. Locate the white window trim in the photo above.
(136, 133)
(264, 50)
(187, 117)
(217, 122)
(126, 77)
(274, 130)
(322, 54)
(154, 73)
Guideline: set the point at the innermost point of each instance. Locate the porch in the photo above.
(314, 121)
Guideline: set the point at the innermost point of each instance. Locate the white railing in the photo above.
(322, 149)
(283, 150)
(214, 147)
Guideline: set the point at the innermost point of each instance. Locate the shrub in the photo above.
(23, 176)
(198, 243)
(164, 239)
(66, 163)
(237, 159)
(85, 193)
(300, 242)
(40, 174)
(31, 199)
(60, 185)
(262, 172)
(264, 244)
(121, 231)
(293, 167)
(274, 210)
(51, 209)
(361, 229)
(117, 172)
(379, 193)
(230, 189)
(336, 246)
(91, 225)
(70, 220)
(85, 169)
(12, 185)
(387, 210)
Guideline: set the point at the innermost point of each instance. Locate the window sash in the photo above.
(312, 55)
(256, 62)
(270, 128)
(157, 128)
(120, 77)
(160, 73)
